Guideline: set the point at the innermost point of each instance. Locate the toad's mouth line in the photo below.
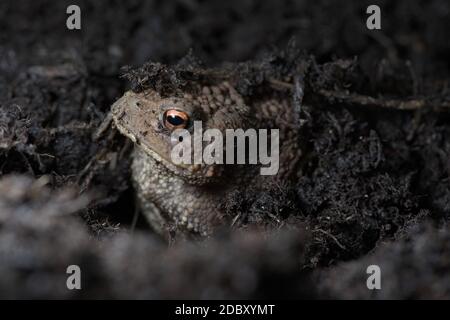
(175, 169)
(178, 169)
(190, 173)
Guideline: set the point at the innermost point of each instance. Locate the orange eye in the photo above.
(175, 119)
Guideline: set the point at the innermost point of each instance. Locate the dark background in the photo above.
(376, 192)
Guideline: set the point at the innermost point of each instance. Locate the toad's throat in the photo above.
(191, 173)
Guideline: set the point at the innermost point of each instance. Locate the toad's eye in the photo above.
(175, 119)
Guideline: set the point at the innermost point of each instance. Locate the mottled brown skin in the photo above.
(187, 197)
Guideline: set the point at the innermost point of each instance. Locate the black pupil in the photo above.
(175, 120)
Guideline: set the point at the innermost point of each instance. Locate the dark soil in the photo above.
(374, 186)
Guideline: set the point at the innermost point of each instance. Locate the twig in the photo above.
(298, 97)
(413, 104)
(333, 237)
(362, 100)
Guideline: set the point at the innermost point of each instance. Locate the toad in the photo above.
(187, 197)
